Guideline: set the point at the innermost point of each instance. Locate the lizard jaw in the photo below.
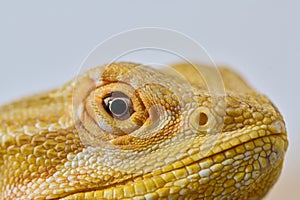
(265, 162)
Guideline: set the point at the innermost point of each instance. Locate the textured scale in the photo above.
(180, 142)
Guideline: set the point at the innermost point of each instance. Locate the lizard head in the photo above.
(126, 130)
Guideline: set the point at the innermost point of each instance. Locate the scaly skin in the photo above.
(179, 142)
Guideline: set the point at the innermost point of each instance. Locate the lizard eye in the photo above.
(113, 110)
(118, 105)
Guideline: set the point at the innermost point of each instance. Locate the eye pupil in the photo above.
(118, 107)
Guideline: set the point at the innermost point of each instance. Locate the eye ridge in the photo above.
(118, 105)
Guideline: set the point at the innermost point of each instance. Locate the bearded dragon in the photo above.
(129, 131)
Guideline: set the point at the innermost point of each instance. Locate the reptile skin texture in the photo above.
(129, 131)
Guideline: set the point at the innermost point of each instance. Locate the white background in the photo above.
(43, 43)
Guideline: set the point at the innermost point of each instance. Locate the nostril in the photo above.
(203, 119)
